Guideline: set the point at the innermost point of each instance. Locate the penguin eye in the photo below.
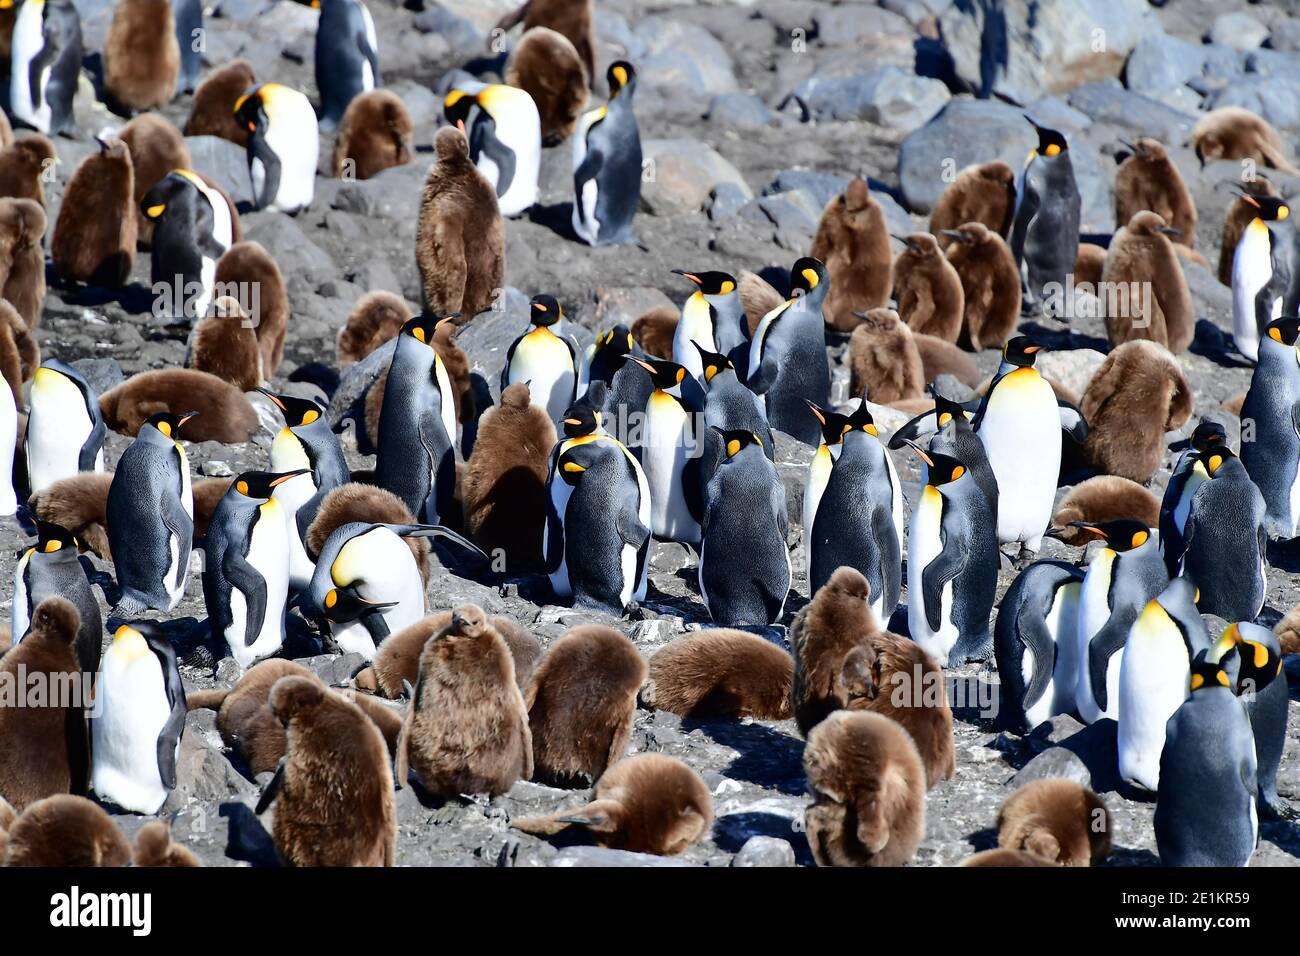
(1139, 538)
(309, 416)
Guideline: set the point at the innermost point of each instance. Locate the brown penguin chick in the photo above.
(247, 265)
(546, 66)
(80, 504)
(868, 790)
(581, 702)
(333, 794)
(572, 19)
(853, 241)
(504, 486)
(1137, 395)
(64, 831)
(1288, 631)
(370, 504)
(909, 688)
(225, 345)
(940, 357)
(94, 236)
(823, 636)
(1058, 820)
(244, 718)
(1148, 179)
(224, 414)
(46, 751)
(757, 298)
(884, 359)
(984, 194)
(208, 493)
(1231, 132)
(655, 330)
(1001, 857)
(1145, 293)
(927, 288)
(6, 641)
(156, 147)
(990, 284)
(1089, 264)
(142, 58)
(459, 239)
(154, 848)
(24, 164)
(375, 134)
(721, 674)
(466, 730)
(1104, 498)
(376, 318)
(212, 110)
(19, 354)
(22, 257)
(1239, 215)
(647, 803)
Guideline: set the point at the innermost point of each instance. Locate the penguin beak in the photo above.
(185, 418)
(1054, 532)
(273, 397)
(289, 476)
(1171, 231)
(816, 411)
(1083, 525)
(687, 275)
(920, 451)
(645, 365)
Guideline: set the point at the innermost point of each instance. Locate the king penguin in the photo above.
(1252, 658)
(52, 568)
(671, 451)
(65, 429)
(729, 405)
(1265, 272)
(712, 318)
(607, 165)
(1176, 503)
(1272, 404)
(605, 358)
(139, 716)
(347, 57)
(151, 517)
(45, 64)
(192, 229)
(1045, 231)
(283, 146)
(505, 139)
(543, 359)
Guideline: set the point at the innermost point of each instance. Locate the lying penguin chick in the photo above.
(376, 318)
(1137, 395)
(883, 358)
(757, 298)
(1001, 857)
(23, 164)
(655, 331)
(466, 692)
(79, 504)
(868, 791)
(156, 147)
(853, 240)
(721, 674)
(224, 345)
(370, 505)
(333, 792)
(581, 702)
(985, 193)
(1149, 179)
(154, 847)
(1142, 261)
(223, 413)
(65, 830)
(1231, 132)
(1089, 264)
(546, 65)
(647, 803)
(837, 621)
(1239, 215)
(1103, 498)
(375, 134)
(504, 485)
(990, 285)
(1058, 820)
(208, 493)
(939, 357)
(247, 265)
(22, 257)
(244, 718)
(928, 288)
(95, 233)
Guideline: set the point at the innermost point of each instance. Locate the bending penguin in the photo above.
(543, 359)
(1265, 272)
(347, 57)
(192, 229)
(65, 429)
(1273, 403)
(1045, 231)
(283, 146)
(607, 165)
(45, 63)
(505, 139)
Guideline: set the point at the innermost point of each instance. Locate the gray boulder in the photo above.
(846, 89)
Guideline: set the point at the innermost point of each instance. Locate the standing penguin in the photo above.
(1035, 643)
(607, 164)
(188, 17)
(952, 564)
(928, 288)
(1148, 179)
(138, 720)
(246, 574)
(8, 442)
(744, 558)
(1121, 578)
(142, 57)
(1273, 404)
(1265, 272)
(730, 405)
(283, 146)
(45, 63)
(347, 57)
(671, 451)
(192, 229)
(51, 568)
(1045, 231)
(65, 429)
(605, 358)
(990, 285)
(543, 359)
(1252, 657)
(787, 357)
(1188, 473)
(95, 233)
(417, 424)
(1153, 301)
(712, 318)
(151, 517)
(955, 437)
(505, 139)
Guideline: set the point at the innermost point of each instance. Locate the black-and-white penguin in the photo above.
(505, 139)
(151, 517)
(347, 56)
(1252, 658)
(1206, 813)
(188, 17)
(711, 321)
(246, 571)
(744, 557)
(417, 424)
(544, 358)
(52, 568)
(729, 405)
(920, 428)
(45, 63)
(65, 429)
(137, 721)
(607, 164)
(1122, 577)
(1265, 272)
(956, 438)
(1035, 644)
(1045, 231)
(605, 357)
(307, 446)
(283, 146)
(1272, 405)
(952, 564)
(1176, 503)
(671, 450)
(192, 229)
(787, 357)
(8, 446)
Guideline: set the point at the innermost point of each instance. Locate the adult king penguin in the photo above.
(1186, 478)
(543, 359)
(607, 165)
(192, 229)
(1265, 272)
(1272, 406)
(671, 451)
(1045, 232)
(347, 57)
(713, 319)
(52, 568)
(729, 405)
(505, 139)
(283, 146)
(65, 429)
(45, 63)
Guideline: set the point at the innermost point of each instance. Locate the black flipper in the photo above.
(261, 150)
(252, 585)
(169, 737)
(484, 142)
(1072, 421)
(1033, 633)
(1103, 646)
(587, 171)
(945, 566)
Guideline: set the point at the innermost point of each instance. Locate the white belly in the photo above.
(522, 133)
(544, 361)
(287, 455)
(132, 701)
(668, 444)
(1094, 612)
(294, 138)
(819, 473)
(27, 42)
(924, 547)
(368, 74)
(268, 554)
(1295, 502)
(1153, 682)
(694, 325)
(448, 398)
(20, 614)
(1252, 267)
(8, 440)
(1021, 432)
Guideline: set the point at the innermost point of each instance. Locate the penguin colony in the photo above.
(601, 451)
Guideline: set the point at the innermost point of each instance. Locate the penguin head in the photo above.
(946, 410)
(834, 425)
(261, 485)
(736, 440)
(920, 244)
(131, 641)
(423, 326)
(297, 411)
(467, 620)
(1122, 534)
(713, 362)
(1207, 674)
(860, 419)
(615, 343)
(621, 76)
(1270, 208)
(970, 234)
(710, 284)
(665, 375)
(164, 192)
(1207, 433)
(345, 603)
(574, 463)
(859, 674)
(806, 275)
(250, 109)
(1213, 457)
(580, 420)
(457, 106)
(1050, 142)
(168, 423)
(1146, 149)
(1284, 331)
(1021, 351)
(941, 469)
(1259, 664)
(52, 538)
(1150, 224)
(544, 311)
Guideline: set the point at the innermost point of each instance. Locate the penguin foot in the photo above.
(1278, 809)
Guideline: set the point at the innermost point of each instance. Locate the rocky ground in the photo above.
(740, 173)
